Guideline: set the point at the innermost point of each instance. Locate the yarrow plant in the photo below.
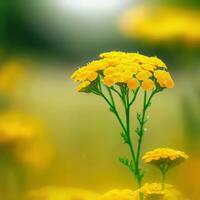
(121, 75)
(164, 159)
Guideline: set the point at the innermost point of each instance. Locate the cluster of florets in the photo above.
(166, 156)
(152, 191)
(119, 68)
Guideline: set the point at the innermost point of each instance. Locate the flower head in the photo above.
(116, 68)
(147, 84)
(160, 156)
(164, 78)
(152, 191)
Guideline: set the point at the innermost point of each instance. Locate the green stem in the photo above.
(146, 104)
(126, 127)
(163, 179)
(127, 110)
(134, 96)
(111, 97)
(114, 111)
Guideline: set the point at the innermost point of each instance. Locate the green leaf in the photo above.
(138, 131)
(111, 109)
(125, 137)
(124, 161)
(139, 117)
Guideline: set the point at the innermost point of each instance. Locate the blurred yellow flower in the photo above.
(15, 127)
(116, 194)
(10, 74)
(34, 154)
(56, 193)
(161, 24)
(23, 137)
(154, 191)
(162, 156)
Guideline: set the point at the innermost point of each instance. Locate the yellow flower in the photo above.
(120, 68)
(35, 154)
(133, 83)
(152, 191)
(147, 84)
(92, 76)
(172, 23)
(113, 54)
(116, 194)
(164, 79)
(143, 74)
(108, 81)
(15, 127)
(83, 86)
(157, 62)
(59, 193)
(166, 156)
(97, 65)
(148, 67)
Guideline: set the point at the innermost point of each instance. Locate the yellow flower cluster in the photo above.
(14, 127)
(131, 69)
(56, 193)
(152, 191)
(23, 138)
(164, 155)
(172, 24)
(116, 194)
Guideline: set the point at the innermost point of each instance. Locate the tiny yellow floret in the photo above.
(147, 84)
(143, 74)
(133, 84)
(82, 86)
(164, 79)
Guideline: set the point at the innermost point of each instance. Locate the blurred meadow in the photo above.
(55, 141)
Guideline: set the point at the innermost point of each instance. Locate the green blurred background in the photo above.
(48, 40)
